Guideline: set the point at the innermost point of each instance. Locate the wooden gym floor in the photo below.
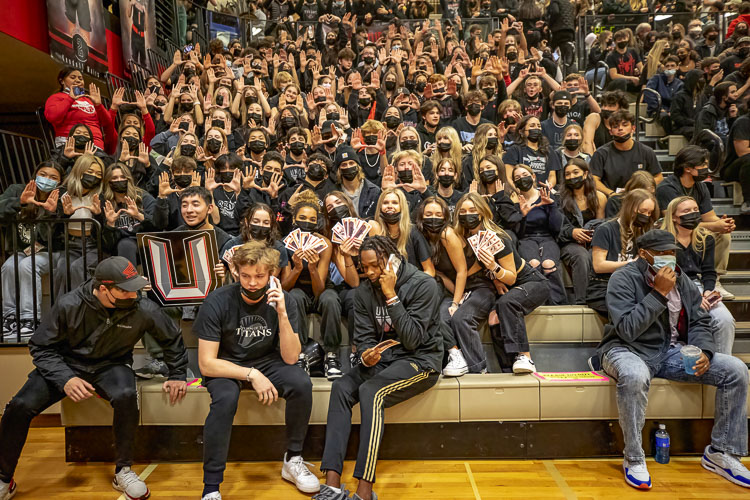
(43, 474)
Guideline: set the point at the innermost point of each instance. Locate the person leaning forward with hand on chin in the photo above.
(655, 311)
(85, 346)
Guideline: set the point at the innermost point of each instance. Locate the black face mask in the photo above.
(391, 218)
(89, 181)
(712, 37)
(224, 177)
(469, 221)
(621, 138)
(288, 122)
(574, 182)
(524, 183)
(154, 89)
(81, 141)
(213, 146)
(489, 92)
(256, 295)
(119, 186)
(562, 111)
(420, 86)
(446, 180)
(364, 101)
(187, 150)
(492, 143)
(306, 226)
(315, 172)
(368, 59)
(122, 303)
(702, 175)
(187, 108)
(534, 134)
(691, 220)
(409, 145)
(488, 176)
(249, 100)
(257, 147)
(334, 116)
(255, 117)
(622, 44)
(338, 213)
(184, 126)
(433, 224)
(642, 220)
(349, 173)
(392, 122)
(183, 181)
(320, 99)
(390, 85)
(331, 41)
(743, 52)
(371, 140)
(132, 143)
(474, 109)
(444, 146)
(297, 147)
(189, 73)
(605, 114)
(259, 232)
(571, 144)
(406, 176)
(267, 176)
(512, 56)
(219, 100)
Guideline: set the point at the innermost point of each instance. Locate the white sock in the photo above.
(337, 490)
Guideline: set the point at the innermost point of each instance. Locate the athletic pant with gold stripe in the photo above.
(375, 389)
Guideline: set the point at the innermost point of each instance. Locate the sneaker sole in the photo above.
(288, 477)
(144, 497)
(146, 376)
(641, 486)
(523, 371)
(334, 376)
(712, 467)
(457, 373)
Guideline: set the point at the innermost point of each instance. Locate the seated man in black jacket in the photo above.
(655, 312)
(85, 346)
(398, 335)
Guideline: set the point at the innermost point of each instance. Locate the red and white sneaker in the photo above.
(7, 490)
(130, 484)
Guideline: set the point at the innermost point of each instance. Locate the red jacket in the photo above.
(64, 113)
(745, 18)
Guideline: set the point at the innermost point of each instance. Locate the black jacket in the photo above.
(639, 319)
(415, 319)
(683, 109)
(709, 115)
(81, 335)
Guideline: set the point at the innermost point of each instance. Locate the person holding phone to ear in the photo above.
(399, 339)
(695, 256)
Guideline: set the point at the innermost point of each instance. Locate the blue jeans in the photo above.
(723, 326)
(728, 374)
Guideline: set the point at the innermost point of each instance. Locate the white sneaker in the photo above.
(523, 364)
(727, 466)
(456, 364)
(212, 496)
(7, 490)
(296, 471)
(636, 475)
(725, 294)
(130, 484)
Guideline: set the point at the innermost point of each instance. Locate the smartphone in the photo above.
(78, 91)
(188, 48)
(273, 284)
(713, 298)
(393, 263)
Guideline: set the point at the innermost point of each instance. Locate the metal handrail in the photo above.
(639, 118)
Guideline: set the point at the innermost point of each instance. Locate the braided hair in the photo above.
(383, 247)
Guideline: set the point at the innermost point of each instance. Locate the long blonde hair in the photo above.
(72, 182)
(133, 192)
(698, 235)
(653, 59)
(480, 146)
(484, 211)
(404, 223)
(629, 232)
(455, 152)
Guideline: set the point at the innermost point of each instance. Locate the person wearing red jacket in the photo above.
(70, 106)
(744, 17)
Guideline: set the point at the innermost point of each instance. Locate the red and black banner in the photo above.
(77, 34)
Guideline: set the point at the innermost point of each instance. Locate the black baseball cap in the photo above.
(119, 272)
(658, 240)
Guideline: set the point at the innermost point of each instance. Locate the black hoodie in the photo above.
(81, 335)
(414, 320)
(683, 109)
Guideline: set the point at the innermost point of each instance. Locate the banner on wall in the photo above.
(179, 265)
(77, 36)
(138, 29)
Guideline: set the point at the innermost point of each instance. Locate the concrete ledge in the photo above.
(498, 397)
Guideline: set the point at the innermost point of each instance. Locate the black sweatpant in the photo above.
(739, 171)
(328, 304)
(578, 259)
(116, 384)
(375, 389)
(292, 384)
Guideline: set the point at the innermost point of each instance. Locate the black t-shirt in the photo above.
(607, 236)
(466, 130)
(553, 132)
(579, 111)
(417, 248)
(245, 332)
(624, 63)
(671, 188)
(541, 165)
(615, 167)
(226, 202)
(740, 131)
(538, 108)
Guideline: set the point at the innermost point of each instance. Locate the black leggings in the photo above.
(115, 383)
(292, 384)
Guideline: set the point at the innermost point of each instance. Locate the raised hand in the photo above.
(110, 214)
(67, 204)
(389, 177)
(117, 98)
(50, 204)
(70, 148)
(96, 205)
(143, 154)
(211, 183)
(95, 95)
(165, 189)
(236, 183)
(28, 196)
(545, 195)
(132, 208)
(248, 178)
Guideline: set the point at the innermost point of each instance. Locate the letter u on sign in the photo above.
(179, 265)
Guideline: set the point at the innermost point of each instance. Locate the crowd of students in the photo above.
(433, 137)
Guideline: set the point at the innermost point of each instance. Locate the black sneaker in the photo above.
(328, 493)
(595, 363)
(9, 325)
(302, 363)
(153, 368)
(333, 366)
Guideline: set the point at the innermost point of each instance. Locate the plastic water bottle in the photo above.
(662, 445)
